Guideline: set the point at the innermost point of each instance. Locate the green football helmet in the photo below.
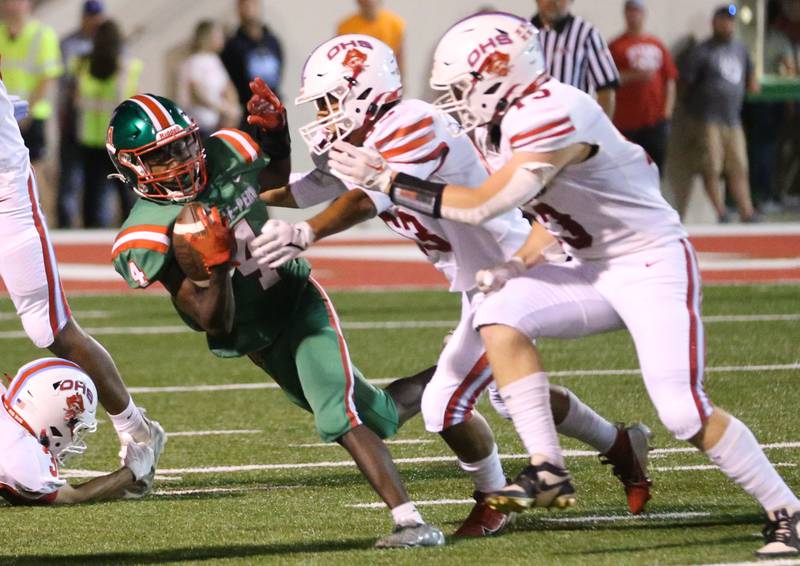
(156, 149)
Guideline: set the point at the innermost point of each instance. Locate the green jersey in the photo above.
(265, 298)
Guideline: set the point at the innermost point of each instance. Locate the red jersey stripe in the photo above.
(539, 130)
(409, 147)
(403, 132)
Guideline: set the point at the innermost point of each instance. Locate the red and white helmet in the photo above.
(56, 402)
(485, 62)
(349, 77)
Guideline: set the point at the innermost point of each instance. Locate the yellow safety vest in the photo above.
(29, 57)
(96, 99)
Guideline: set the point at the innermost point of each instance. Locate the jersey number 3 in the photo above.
(572, 232)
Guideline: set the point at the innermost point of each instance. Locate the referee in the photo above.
(575, 52)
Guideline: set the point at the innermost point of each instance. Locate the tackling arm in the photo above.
(110, 486)
(212, 308)
(354, 207)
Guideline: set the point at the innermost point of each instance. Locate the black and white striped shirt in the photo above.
(576, 54)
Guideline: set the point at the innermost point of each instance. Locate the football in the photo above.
(189, 260)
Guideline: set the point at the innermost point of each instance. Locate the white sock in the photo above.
(738, 454)
(131, 421)
(487, 474)
(583, 424)
(406, 515)
(528, 403)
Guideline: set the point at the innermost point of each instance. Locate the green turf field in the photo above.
(283, 509)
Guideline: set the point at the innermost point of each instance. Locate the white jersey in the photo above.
(609, 205)
(416, 138)
(14, 162)
(28, 472)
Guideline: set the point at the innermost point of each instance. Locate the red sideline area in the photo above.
(725, 257)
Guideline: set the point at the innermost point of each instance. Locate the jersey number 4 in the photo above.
(244, 257)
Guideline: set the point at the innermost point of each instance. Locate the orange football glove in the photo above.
(264, 109)
(216, 245)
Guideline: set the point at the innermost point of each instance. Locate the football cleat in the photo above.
(412, 536)
(538, 485)
(483, 521)
(628, 458)
(781, 534)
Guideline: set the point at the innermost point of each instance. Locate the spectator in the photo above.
(204, 89)
(102, 80)
(575, 52)
(764, 120)
(372, 19)
(30, 62)
(715, 77)
(646, 97)
(70, 177)
(253, 51)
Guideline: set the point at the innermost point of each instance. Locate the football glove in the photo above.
(138, 458)
(360, 166)
(490, 280)
(216, 243)
(267, 115)
(280, 242)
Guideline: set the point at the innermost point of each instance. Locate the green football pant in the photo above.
(310, 362)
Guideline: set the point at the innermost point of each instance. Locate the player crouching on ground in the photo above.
(46, 412)
(280, 318)
(633, 266)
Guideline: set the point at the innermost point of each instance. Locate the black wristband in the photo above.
(276, 144)
(417, 194)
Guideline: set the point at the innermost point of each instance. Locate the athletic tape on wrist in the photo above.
(417, 194)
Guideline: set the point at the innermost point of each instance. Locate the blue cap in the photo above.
(93, 7)
(728, 11)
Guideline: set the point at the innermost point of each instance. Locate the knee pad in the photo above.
(681, 416)
(433, 406)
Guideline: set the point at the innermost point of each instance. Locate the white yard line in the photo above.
(333, 444)
(214, 432)
(387, 380)
(615, 518)
(352, 325)
(778, 562)
(201, 490)
(415, 460)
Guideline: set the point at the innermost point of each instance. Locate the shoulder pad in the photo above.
(229, 149)
(143, 246)
(408, 134)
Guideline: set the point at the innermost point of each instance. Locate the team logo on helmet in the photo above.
(74, 408)
(496, 64)
(355, 61)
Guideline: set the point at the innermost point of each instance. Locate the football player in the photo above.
(633, 265)
(47, 410)
(356, 85)
(280, 318)
(29, 270)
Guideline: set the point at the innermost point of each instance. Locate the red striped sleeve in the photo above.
(540, 130)
(404, 132)
(241, 142)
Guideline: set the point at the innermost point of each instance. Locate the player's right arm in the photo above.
(212, 308)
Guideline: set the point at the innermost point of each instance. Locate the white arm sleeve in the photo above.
(525, 184)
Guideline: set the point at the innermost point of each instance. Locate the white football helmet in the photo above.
(349, 77)
(55, 401)
(484, 63)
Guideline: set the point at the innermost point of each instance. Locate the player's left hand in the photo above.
(494, 279)
(264, 109)
(280, 242)
(360, 166)
(216, 243)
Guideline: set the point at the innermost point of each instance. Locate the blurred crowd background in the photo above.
(710, 89)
